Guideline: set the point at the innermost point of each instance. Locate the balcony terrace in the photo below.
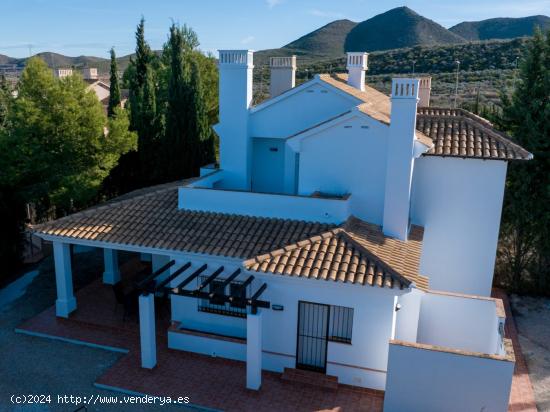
(210, 194)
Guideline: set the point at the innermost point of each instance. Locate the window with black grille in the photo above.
(340, 324)
(214, 285)
(237, 291)
(217, 304)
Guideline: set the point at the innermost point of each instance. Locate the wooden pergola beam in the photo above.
(189, 279)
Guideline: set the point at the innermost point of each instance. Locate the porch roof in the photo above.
(152, 220)
(356, 253)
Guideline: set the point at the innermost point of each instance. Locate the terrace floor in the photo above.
(212, 382)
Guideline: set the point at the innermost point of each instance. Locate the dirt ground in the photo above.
(533, 323)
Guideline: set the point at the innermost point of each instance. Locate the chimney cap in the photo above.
(357, 59)
(236, 57)
(404, 88)
(425, 82)
(283, 62)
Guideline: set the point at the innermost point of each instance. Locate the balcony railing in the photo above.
(208, 194)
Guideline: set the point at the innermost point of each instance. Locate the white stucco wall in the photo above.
(348, 158)
(458, 322)
(308, 107)
(421, 380)
(362, 363)
(407, 316)
(459, 203)
(282, 206)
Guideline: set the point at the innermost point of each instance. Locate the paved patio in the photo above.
(209, 382)
(212, 382)
(522, 397)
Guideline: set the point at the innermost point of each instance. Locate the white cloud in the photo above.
(248, 39)
(324, 13)
(273, 3)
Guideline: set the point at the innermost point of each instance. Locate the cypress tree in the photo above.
(143, 54)
(114, 88)
(5, 98)
(176, 156)
(526, 220)
(138, 68)
(199, 131)
(148, 133)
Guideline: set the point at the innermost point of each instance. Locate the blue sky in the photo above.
(75, 27)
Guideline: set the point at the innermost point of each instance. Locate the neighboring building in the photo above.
(345, 232)
(61, 72)
(89, 73)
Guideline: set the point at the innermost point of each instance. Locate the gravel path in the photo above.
(532, 317)
(32, 365)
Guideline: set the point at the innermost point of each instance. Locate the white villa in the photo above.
(344, 232)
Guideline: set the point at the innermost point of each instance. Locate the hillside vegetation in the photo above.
(500, 28)
(397, 28)
(327, 40)
(486, 68)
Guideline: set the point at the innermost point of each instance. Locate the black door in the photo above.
(311, 346)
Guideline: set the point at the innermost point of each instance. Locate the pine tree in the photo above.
(114, 88)
(525, 233)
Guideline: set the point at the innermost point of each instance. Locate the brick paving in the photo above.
(522, 397)
(214, 382)
(210, 382)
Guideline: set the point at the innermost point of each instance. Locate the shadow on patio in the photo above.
(209, 382)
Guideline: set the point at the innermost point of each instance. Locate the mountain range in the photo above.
(397, 28)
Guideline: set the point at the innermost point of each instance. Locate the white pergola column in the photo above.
(147, 332)
(111, 275)
(65, 302)
(254, 350)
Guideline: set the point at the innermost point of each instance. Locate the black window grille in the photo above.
(216, 300)
(340, 324)
(217, 305)
(236, 291)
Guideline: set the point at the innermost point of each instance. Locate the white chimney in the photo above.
(357, 66)
(400, 155)
(235, 98)
(89, 73)
(62, 72)
(283, 74)
(424, 91)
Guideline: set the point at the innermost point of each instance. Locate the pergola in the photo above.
(156, 284)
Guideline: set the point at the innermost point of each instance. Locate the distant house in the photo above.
(62, 72)
(345, 232)
(100, 87)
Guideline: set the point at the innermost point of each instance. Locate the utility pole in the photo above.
(457, 62)
(413, 62)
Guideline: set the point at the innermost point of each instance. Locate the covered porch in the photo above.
(141, 287)
(208, 381)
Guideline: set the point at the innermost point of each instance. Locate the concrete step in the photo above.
(310, 378)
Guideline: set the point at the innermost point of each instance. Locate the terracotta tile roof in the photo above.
(449, 132)
(356, 253)
(376, 104)
(459, 133)
(154, 220)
